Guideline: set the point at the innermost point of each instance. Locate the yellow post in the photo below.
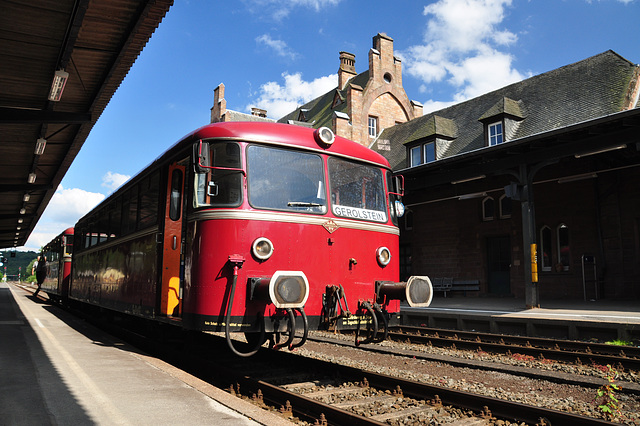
(534, 263)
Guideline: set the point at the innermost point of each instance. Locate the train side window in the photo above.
(68, 244)
(130, 210)
(149, 195)
(220, 185)
(115, 219)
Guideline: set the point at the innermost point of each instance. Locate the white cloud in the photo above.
(113, 180)
(280, 9)
(278, 46)
(64, 210)
(69, 205)
(279, 100)
(461, 47)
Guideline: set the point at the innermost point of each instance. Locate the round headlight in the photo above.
(384, 256)
(399, 208)
(324, 135)
(262, 248)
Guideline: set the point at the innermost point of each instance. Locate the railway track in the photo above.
(348, 394)
(568, 351)
(320, 392)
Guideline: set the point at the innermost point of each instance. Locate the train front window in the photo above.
(357, 191)
(219, 185)
(280, 179)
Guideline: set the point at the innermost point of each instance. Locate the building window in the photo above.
(408, 220)
(422, 154)
(495, 134)
(415, 157)
(544, 251)
(505, 207)
(488, 209)
(405, 262)
(373, 127)
(429, 152)
(564, 255)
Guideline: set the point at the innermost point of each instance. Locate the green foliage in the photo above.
(606, 399)
(21, 263)
(619, 342)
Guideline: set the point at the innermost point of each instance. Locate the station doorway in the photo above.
(499, 265)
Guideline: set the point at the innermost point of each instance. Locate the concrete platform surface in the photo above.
(57, 370)
(573, 319)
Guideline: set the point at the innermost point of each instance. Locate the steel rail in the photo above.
(523, 345)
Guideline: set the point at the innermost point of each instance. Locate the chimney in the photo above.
(347, 68)
(258, 112)
(219, 108)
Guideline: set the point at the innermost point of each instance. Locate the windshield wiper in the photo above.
(303, 204)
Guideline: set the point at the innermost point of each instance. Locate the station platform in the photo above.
(602, 320)
(58, 370)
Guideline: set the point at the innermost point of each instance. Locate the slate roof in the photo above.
(592, 88)
(319, 112)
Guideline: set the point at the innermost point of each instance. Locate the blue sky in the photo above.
(278, 54)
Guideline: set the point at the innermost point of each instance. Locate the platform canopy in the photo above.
(61, 61)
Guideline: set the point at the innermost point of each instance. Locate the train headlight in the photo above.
(289, 289)
(383, 255)
(324, 136)
(399, 208)
(262, 248)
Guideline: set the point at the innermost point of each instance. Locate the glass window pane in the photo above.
(416, 158)
(175, 197)
(373, 126)
(220, 187)
(564, 257)
(505, 207)
(488, 208)
(545, 248)
(429, 152)
(286, 180)
(149, 193)
(495, 134)
(357, 190)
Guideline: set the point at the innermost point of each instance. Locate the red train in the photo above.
(262, 228)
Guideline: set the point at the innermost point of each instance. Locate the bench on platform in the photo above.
(449, 284)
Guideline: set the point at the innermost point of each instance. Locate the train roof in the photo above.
(287, 135)
(280, 134)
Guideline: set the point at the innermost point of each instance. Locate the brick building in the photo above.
(359, 108)
(364, 104)
(220, 113)
(553, 161)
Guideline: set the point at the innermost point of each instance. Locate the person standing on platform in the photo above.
(40, 270)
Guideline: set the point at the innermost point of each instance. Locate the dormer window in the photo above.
(422, 154)
(495, 133)
(502, 120)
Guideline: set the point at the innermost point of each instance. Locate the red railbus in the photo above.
(58, 257)
(260, 228)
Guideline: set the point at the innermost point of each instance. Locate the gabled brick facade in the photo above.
(377, 93)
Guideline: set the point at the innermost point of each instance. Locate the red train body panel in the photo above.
(260, 228)
(58, 255)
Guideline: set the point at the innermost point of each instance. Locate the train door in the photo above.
(171, 295)
(499, 264)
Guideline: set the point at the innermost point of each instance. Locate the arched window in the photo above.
(564, 253)
(488, 208)
(505, 207)
(408, 220)
(544, 251)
